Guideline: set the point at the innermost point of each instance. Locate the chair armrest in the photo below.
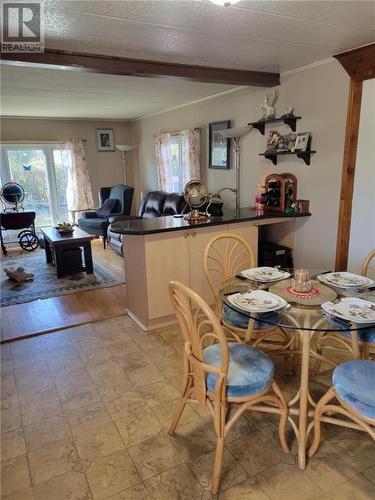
(117, 218)
(89, 215)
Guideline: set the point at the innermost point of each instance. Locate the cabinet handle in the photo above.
(186, 235)
(193, 234)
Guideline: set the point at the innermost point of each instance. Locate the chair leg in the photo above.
(181, 405)
(283, 417)
(218, 465)
(365, 350)
(317, 424)
(220, 414)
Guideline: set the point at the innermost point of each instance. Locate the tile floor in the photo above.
(85, 412)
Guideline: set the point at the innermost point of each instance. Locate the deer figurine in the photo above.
(268, 107)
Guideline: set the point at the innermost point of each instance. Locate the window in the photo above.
(177, 158)
(175, 147)
(42, 172)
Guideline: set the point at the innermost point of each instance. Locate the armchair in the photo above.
(114, 201)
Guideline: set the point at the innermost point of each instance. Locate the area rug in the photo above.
(45, 283)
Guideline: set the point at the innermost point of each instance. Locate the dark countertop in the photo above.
(171, 223)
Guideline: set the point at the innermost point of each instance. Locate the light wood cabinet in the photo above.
(166, 259)
(152, 261)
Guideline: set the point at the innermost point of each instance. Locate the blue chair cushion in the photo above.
(250, 370)
(364, 335)
(238, 320)
(353, 384)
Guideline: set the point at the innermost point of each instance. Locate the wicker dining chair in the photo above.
(220, 375)
(352, 387)
(226, 255)
(361, 344)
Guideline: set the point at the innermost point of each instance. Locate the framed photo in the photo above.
(104, 139)
(218, 146)
(302, 141)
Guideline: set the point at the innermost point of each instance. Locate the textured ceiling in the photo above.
(54, 93)
(267, 36)
(272, 36)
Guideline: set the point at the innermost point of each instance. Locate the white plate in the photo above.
(345, 280)
(352, 309)
(257, 301)
(265, 274)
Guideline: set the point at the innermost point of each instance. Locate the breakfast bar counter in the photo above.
(162, 249)
(154, 225)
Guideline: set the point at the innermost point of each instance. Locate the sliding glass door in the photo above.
(42, 172)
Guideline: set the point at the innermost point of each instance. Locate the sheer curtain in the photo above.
(163, 157)
(190, 145)
(189, 164)
(78, 191)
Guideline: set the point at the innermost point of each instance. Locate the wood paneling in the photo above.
(359, 63)
(94, 63)
(348, 172)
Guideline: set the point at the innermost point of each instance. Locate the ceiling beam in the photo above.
(93, 63)
(359, 63)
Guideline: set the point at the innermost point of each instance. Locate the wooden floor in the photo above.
(55, 313)
(47, 315)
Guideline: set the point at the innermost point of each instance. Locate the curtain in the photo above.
(78, 191)
(163, 158)
(190, 145)
(189, 142)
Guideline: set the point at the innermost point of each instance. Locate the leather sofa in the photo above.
(114, 201)
(154, 204)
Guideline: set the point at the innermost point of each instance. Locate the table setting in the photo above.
(306, 302)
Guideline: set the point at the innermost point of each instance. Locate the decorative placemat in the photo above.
(317, 295)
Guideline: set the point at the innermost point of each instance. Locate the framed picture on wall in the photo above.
(104, 139)
(218, 146)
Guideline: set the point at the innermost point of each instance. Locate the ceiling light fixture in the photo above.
(225, 3)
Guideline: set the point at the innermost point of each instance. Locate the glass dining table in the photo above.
(301, 319)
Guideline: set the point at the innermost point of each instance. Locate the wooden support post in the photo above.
(348, 172)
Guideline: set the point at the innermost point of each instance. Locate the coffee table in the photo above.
(64, 251)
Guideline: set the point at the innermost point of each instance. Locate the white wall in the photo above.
(320, 96)
(105, 168)
(362, 231)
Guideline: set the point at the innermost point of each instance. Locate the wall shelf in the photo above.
(291, 121)
(304, 155)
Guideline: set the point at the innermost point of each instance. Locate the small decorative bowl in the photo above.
(65, 228)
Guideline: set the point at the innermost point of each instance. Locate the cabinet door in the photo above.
(167, 259)
(197, 243)
(249, 232)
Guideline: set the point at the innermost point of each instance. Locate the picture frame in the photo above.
(218, 146)
(302, 141)
(105, 139)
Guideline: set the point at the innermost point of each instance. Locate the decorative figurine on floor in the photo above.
(65, 228)
(268, 107)
(18, 274)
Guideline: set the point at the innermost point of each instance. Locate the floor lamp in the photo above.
(236, 134)
(124, 148)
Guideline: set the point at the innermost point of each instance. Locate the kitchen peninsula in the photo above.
(162, 249)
